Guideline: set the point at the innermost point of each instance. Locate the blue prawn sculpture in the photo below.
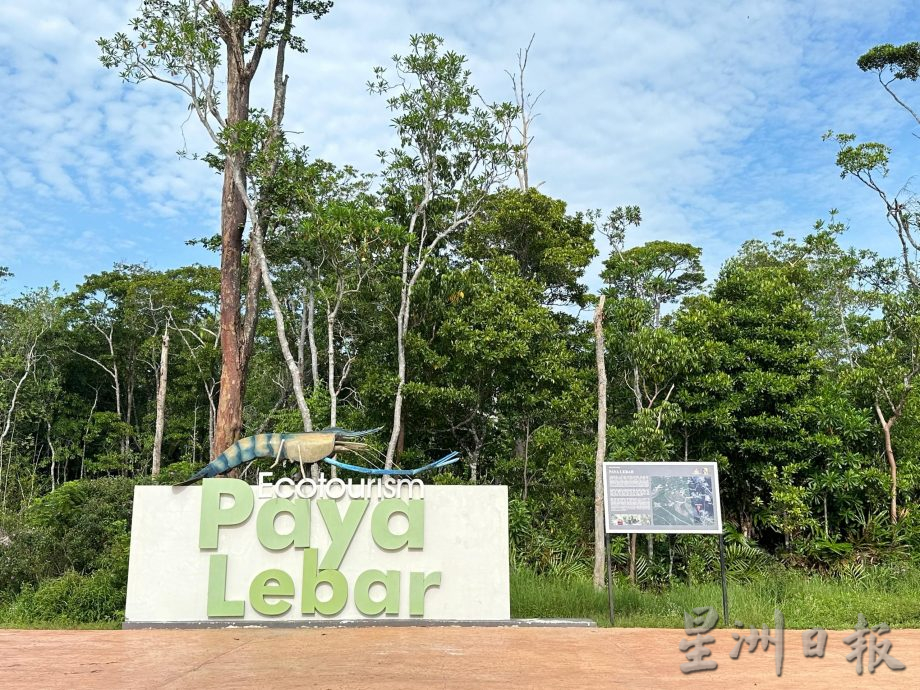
(306, 448)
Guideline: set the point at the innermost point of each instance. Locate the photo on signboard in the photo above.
(682, 501)
(630, 519)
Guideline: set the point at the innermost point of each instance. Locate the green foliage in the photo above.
(542, 551)
(451, 149)
(903, 61)
(861, 160)
(549, 246)
(181, 40)
(659, 272)
(69, 599)
(82, 526)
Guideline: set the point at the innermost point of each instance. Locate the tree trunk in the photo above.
(311, 336)
(894, 480)
(129, 408)
(236, 339)
(892, 465)
(12, 408)
(637, 390)
(212, 421)
(302, 335)
(89, 421)
(195, 436)
(161, 404)
(53, 460)
(401, 439)
(670, 556)
(330, 358)
(526, 456)
(402, 322)
(229, 422)
(293, 370)
(632, 537)
(601, 453)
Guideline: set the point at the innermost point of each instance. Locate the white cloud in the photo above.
(708, 115)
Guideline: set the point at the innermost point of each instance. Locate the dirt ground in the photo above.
(422, 657)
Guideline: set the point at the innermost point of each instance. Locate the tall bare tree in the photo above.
(517, 130)
(452, 154)
(160, 424)
(183, 43)
(601, 454)
(867, 162)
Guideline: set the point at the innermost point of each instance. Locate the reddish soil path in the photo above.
(421, 657)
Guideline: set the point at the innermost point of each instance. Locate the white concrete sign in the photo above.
(231, 553)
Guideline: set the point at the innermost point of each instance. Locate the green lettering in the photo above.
(310, 603)
(213, 516)
(271, 583)
(270, 538)
(414, 536)
(390, 601)
(418, 588)
(341, 529)
(218, 606)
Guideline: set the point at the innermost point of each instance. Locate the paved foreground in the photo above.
(421, 657)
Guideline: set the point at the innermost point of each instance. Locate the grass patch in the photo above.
(806, 601)
(58, 625)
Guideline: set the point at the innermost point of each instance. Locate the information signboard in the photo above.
(662, 497)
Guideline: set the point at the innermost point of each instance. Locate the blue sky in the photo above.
(707, 115)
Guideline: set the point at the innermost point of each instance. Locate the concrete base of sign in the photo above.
(372, 623)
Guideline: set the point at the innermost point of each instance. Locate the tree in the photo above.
(328, 237)
(893, 63)
(110, 318)
(868, 162)
(889, 366)
(845, 291)
(641, 280)
(26, 326)
(656, 273)
(519, 128)
(451, 154)
(759, 345)
(495, 348)
(550, 246)
(599, 527)
(122, 320)
(181, 43)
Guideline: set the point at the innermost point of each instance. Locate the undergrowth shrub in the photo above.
(69, 599)
(81, 527)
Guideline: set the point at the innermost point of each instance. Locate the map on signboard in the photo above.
(666, 497)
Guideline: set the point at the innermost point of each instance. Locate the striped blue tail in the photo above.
(448, 459)
(244, 450)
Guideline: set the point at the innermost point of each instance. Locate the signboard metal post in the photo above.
(663, 498)
(724, 588)
(609, 578)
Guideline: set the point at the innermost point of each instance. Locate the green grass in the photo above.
(805, 601)
(57, 625)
